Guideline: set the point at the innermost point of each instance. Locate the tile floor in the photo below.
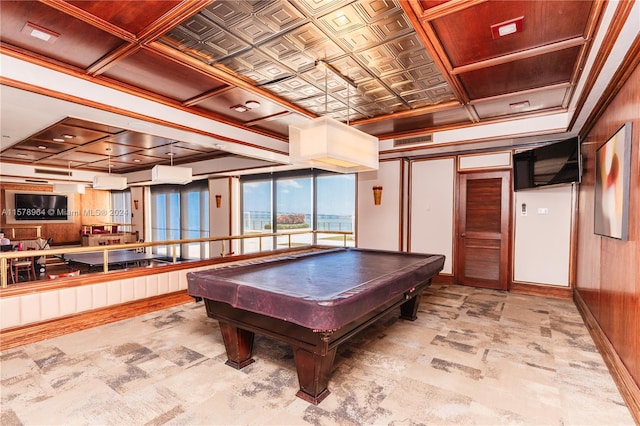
(473, 356)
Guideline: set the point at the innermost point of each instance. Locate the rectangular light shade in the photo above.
(110, 182)
(171, 174)
(327, 144)
(68, 188)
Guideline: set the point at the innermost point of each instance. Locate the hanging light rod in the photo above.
(321, 63)
(68, 187)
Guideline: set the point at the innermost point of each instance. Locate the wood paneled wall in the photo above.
(608, 271)
(62, 233)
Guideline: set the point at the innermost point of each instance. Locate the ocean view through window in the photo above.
(309, 200)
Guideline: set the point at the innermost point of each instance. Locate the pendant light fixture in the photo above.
(110, 182)
(171, 174)
(328, 144)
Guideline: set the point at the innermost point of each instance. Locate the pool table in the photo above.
(313, 301)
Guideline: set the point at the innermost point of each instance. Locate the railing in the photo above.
(37, 228)
(5, 257)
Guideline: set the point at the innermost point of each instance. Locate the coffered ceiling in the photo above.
(395, 69)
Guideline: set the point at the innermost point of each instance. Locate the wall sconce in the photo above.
(377, 195)
(218, 200)
(135, 204)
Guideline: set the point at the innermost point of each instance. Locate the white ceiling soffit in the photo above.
(35, 112)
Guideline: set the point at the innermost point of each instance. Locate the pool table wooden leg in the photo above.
(239, 345)
(313, 374)
(409, 309)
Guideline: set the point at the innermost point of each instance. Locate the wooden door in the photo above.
(483, 225)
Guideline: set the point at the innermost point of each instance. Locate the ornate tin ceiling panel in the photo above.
(276, 45)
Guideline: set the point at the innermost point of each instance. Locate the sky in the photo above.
(336, 195)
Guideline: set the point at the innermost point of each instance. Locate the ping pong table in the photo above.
(115, 258)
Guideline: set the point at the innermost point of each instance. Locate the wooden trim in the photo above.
(125, 88)
(403, 197)
(18, 336)
(627, 67)
(541, 290)
(444, 8)
(121, 87)
(111, 59)
(82, 15)
(195, 64)
(446, 279)
(617, 22)
(525, 92)
(629, 389)
(100, 277)
(573, 234)
(408, 114)
(471, 125)
(517, 56)
(426, 34)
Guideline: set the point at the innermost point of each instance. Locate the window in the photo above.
(179, 213)
(121, 207)
(301, 200)
(294, 209)
(336, 208)
(257, 212)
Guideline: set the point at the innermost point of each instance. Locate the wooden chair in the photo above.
(25, 265)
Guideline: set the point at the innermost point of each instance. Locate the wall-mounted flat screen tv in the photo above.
(553, 164)
(40, 207)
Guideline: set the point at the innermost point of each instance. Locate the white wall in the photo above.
(47, 305)
(378, 227)
(543, 235)
(542, 242)
(432, 208)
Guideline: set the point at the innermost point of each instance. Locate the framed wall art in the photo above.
(611, 193)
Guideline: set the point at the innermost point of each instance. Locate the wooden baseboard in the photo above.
(542, 290)
(627, 386)
(18, 336)
(443, 279)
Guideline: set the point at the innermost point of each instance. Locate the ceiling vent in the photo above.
(51, 172)
(418, 140)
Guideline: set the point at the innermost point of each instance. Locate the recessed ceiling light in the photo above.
(505, 28)
(170, 154)
(68, 136)
(136, 160)
(21, 155)
(42, 147)
(58, 140)
(519, 105)
(239, 108)
(39, 32)
(219, 146)
(108, 149)
(252, 104)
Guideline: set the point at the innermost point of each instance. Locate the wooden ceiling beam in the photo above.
(516, 56)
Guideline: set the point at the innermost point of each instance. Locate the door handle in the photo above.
(462, 235)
